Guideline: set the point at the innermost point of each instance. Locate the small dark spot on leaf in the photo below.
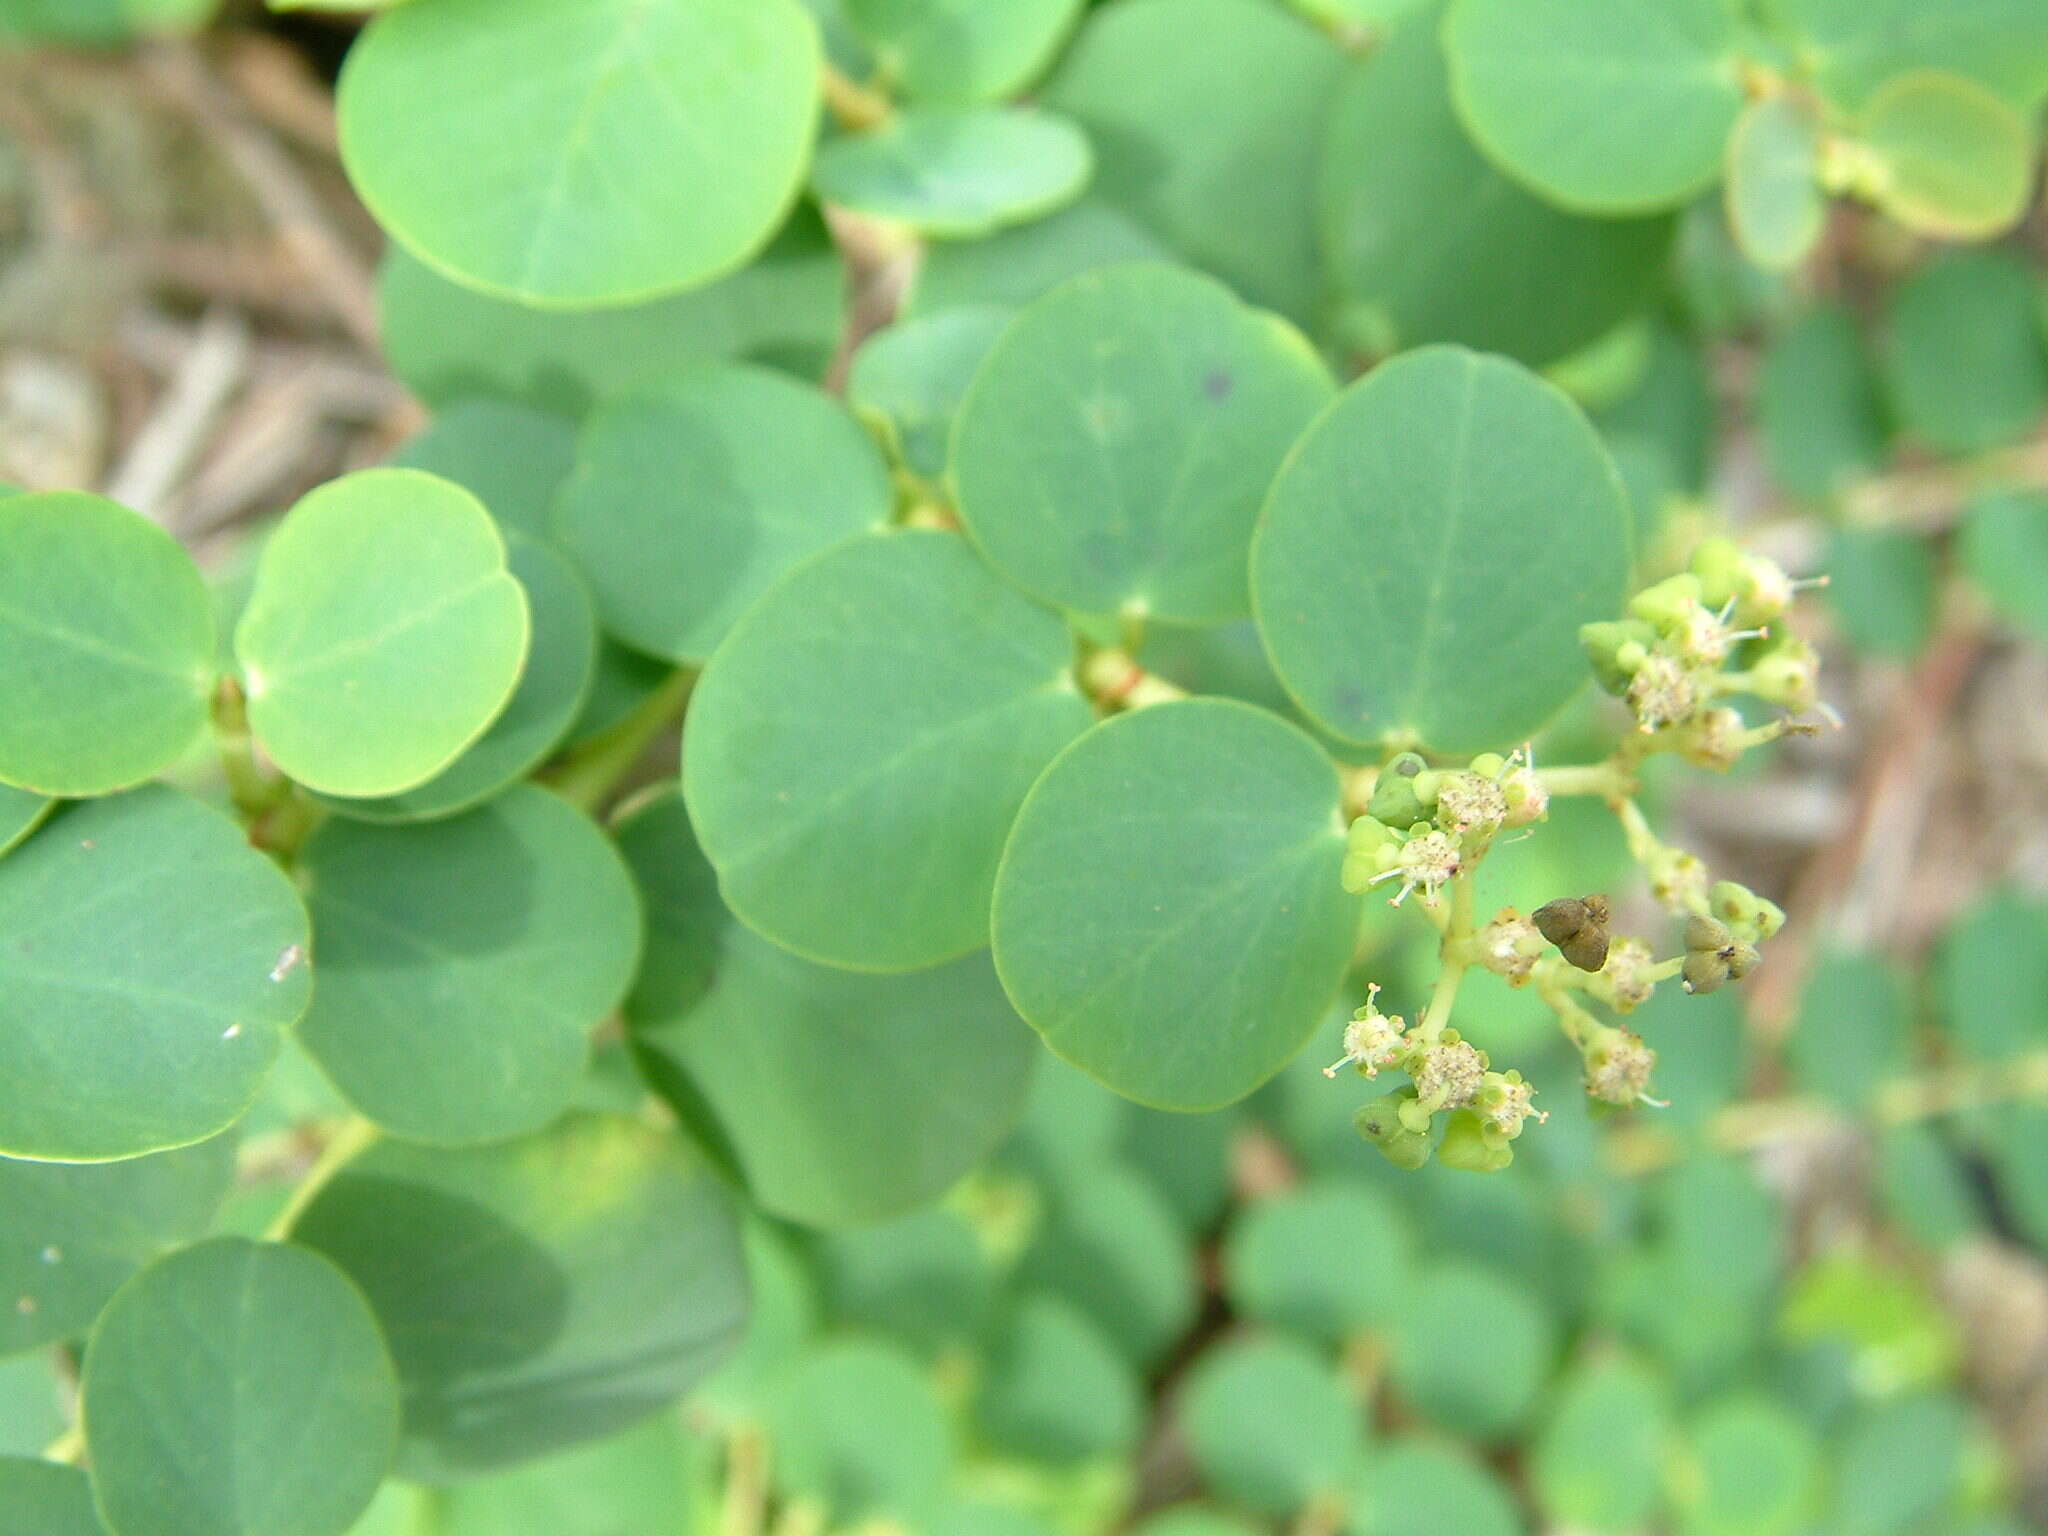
(1219, 385)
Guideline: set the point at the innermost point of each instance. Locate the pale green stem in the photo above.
(1456, 953)
(855, 107)
(590, 773)
(352, 1137)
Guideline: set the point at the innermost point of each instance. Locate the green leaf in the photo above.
(237, 1386)
(71, 1234)
(1462, 1497)
(1818, 404)
(42, 1498)
(651, 145)
(1415, 225)
(464, 962)
(1194, 1520)
(962, 50)
(1109, 1245)
(2004, 549)
(1599, 1460)
(100, 23)
(1132, 487)
(649, 1478)
(560, 664)
(957, 172)
(1271, 1427)
(1957, 161)
(1992, 973)
(832, 1096)
(1014, 266)
(508, 455)
(108, 634)
(1903, 1464)
(1055, 1390)
(907, 381)
(1927, 1191)
(1882, 588)
(1857, 46)
(384, 633)
(537, 1293)
(1775, 204)
(860, 744)
(1753, 1470)
(1185, 1157)
(1623, 107)
(692, 497)
(1967, 365)
(447, 341)
(1485, 1392)
(1326, 1260)
(1432, 546)
(1206, 115)
(923, 1279)
(1168, 914)
(857, 1427)
(21, 812)
(150, 960)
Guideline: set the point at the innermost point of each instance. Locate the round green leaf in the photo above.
(1463, 1497)
(150, 960)
(857, 1427)
(1818, 405)
(1967, 365)
(1416, 224)
(1598, 1464)
(1958, 162)
(109, 640)
(1132, 486)
(238, 1386)
(21, 812)
(1270, 1425)
(1323, 1261)
(962, 50)
(1110, 1247)
(1903, 1463)
(448, 342)
(464, 962)
(923, 1279)
(537, 1293)
(957, 172)
(1185, 1157)
(651, 145)
(860, 744)
(1055, 1390)
(1775, 204)
(833, 1096)
(2004, 550)
(510, 456)
(907, 381)
(1431, 548)
(384, 633)
(650, 1478)
(42, 1498)
(1486, 1391)
(1883, 588)
(1014, 266)
(1754, 1470)
(1206, 116)
(1854, 47)
(690, 498)
(1168, 915)
(551, 693)
(70, 1234)
(1992, 970)
(1621, 107)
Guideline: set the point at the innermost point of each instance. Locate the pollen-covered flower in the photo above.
(1372, 1040)
(1510, 946)
(1447, 1074)
(1618, 1066)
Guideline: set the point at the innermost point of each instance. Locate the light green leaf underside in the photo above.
(1168, 915)
(861, 741)
(383, 635)
(464, 962)
(584, 154)
(1775, 205)
(150, 961)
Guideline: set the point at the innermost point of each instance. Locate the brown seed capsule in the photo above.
(1577, 925)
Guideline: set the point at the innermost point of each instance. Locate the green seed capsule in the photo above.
(1466, 1146)
(1394, 799)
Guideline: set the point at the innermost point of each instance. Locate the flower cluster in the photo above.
(1423, 826)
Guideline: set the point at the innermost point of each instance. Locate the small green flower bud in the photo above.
(1788, 675)
(1759, 589)
(1368, 835)
(1465, 1146)
(1663, 691)
(1448, 1073)
(1677, 879)
(1470, 805)
(1618, 1066)
(1616, 649)
(1488, 765)
(1380, 1122)
(1394, 800)
(1748, 914)
(1718, 563)
(1510, 946)
(1705, 935)
(1667, 605)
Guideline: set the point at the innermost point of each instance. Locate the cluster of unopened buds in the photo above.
(1687, 643)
